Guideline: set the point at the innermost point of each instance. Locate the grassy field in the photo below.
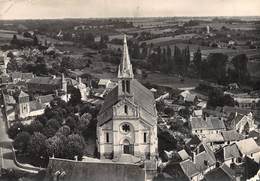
(169, 81)
(238, 26)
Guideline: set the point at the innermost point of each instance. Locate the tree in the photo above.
(14, 40)
(35, 126)
(217, 98)
(75, 97)
(215, 67)
(72, 122)
(178, 59)
(15, 129)
(37, 146)
(75, 146)
(35, 40)
(22, 141)
(53, 123)
(64, 130)
(56, 146)
(240, 64)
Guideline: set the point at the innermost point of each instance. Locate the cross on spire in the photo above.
(125, 68)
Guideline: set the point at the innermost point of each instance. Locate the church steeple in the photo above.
(125, 70)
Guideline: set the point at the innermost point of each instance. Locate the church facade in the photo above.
(127, 121)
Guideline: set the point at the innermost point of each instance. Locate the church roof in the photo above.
(143, 97)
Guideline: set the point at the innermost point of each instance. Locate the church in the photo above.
(127, 121)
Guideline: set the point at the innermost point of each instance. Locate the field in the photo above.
(170, 81)
(236, 26)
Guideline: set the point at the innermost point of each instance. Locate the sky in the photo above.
(48, 9)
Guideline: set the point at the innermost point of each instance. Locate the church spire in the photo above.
(125, 68)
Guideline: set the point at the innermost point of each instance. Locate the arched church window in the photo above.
(123, 85)
(126, 128)
(126, 109)
(127, 86)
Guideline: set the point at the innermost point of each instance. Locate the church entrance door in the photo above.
(128, 148)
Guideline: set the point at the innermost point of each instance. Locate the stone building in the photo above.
(4, 60)
(127, 121)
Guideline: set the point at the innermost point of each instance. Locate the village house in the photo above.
(127, 121)
(20, 76)
(223, 173)
(243, 123)
(202, 126)
(192, 168)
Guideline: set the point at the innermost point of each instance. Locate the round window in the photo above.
(125, 128)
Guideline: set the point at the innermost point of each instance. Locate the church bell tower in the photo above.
(125, 72)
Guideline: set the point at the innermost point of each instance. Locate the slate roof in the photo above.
(211, 123)
(143, 97)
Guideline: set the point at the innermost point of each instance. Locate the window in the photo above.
(107, 137)
(123, 85)
(145, 137)
(126, 109)
(127, 86)
(201, 131)
(125, 128)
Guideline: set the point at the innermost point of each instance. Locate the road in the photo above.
(5, 147)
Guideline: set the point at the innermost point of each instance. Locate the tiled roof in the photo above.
(189, 168)
(231, 135)
(21, 75)
(142, 96)
(51, 81)
(93, 171)
(183, 154)
(248, 146)
(223, 173)
(214, 137)
(231, 151)
(34, 106)
(211, 123)
(203, 160)
(45, 99)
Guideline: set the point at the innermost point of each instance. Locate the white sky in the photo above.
(34, 9)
